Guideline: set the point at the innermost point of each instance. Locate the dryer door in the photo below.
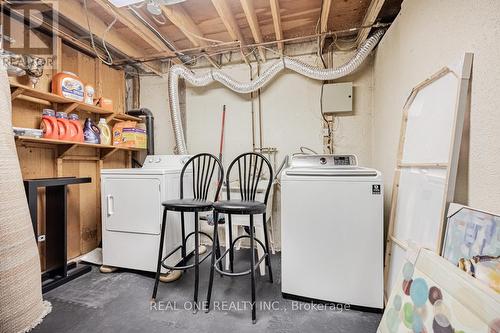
(132, 204)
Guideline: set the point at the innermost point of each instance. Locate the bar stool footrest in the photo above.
(178, 268)
(238, 273)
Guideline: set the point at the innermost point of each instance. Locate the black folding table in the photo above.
(59, 271)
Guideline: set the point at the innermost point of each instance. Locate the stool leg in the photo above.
(216, 248)
(183, 249)
(231, 248)
(212, 263)
(266, 240)
(160, 253)
(196, 262)
(252, 268)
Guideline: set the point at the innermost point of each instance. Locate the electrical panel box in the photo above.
(337, 97)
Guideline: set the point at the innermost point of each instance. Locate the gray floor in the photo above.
(119, 302)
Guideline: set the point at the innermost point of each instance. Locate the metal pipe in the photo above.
(149, 126)
(236, 45)
(184, 58)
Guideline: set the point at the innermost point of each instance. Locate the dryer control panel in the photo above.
(165, 161)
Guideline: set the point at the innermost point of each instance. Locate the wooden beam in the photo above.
(74, 12)
(369, 19)
(278, 30)
(325, 13)
(253, 22)
(182, 20)
(15, 93)
(228, 19)
(135, 25)
(229, 22)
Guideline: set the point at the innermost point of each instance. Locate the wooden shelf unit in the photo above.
(65, 147)
(18, 90)
(66, 105)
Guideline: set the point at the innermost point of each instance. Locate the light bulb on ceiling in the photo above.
(154, 8)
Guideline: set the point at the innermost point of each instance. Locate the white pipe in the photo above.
(204, 79)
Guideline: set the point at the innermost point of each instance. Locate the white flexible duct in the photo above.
(208, 77)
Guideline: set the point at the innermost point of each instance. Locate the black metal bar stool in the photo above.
(250, 171)
(203, 169)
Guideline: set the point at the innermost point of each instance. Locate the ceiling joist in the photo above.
(369, 19)
(278, 30)
(229, 22)
(249, 10)
(135, 25)
(181, 19)
(325, 13)
(72, 10)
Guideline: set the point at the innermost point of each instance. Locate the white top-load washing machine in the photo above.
(332, 231)
(132, 212)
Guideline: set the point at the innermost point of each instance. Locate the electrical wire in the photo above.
(313, 152)
(320, 38)
(108, 62)
(328, 122)
(160, 22)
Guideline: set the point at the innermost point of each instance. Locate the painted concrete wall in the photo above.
(154, 96)
(426, 36)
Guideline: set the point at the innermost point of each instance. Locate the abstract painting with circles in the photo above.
(432, 295)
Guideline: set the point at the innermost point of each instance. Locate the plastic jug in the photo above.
(89, 94)
(49, 124)
(105, 132)
(75, 128)
(67, 84)
(63, 124)
(91, 132)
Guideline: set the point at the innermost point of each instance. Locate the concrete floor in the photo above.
(119, 302)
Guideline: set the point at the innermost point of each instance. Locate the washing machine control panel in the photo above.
(323, 161)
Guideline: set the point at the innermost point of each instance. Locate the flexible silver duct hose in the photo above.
(204, 79)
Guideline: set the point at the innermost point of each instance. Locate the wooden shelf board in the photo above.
(125, 117)
(19, 89)
(64, 142)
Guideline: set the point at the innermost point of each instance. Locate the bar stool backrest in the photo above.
(203, 166)
(251, 168)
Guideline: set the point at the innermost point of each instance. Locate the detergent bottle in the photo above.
(63, 124)
(67, 84)
(91, 132)
(105, 132)
(49, 124)
(76, 128)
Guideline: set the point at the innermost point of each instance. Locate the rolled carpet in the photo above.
(21, 304)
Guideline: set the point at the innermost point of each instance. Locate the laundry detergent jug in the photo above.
(63, 124)
(91, 132)
(67, 84)
(49, 124)
(105, 132)
(75, 128)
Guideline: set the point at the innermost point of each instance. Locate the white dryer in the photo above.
(132, 212)
(332, 231)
